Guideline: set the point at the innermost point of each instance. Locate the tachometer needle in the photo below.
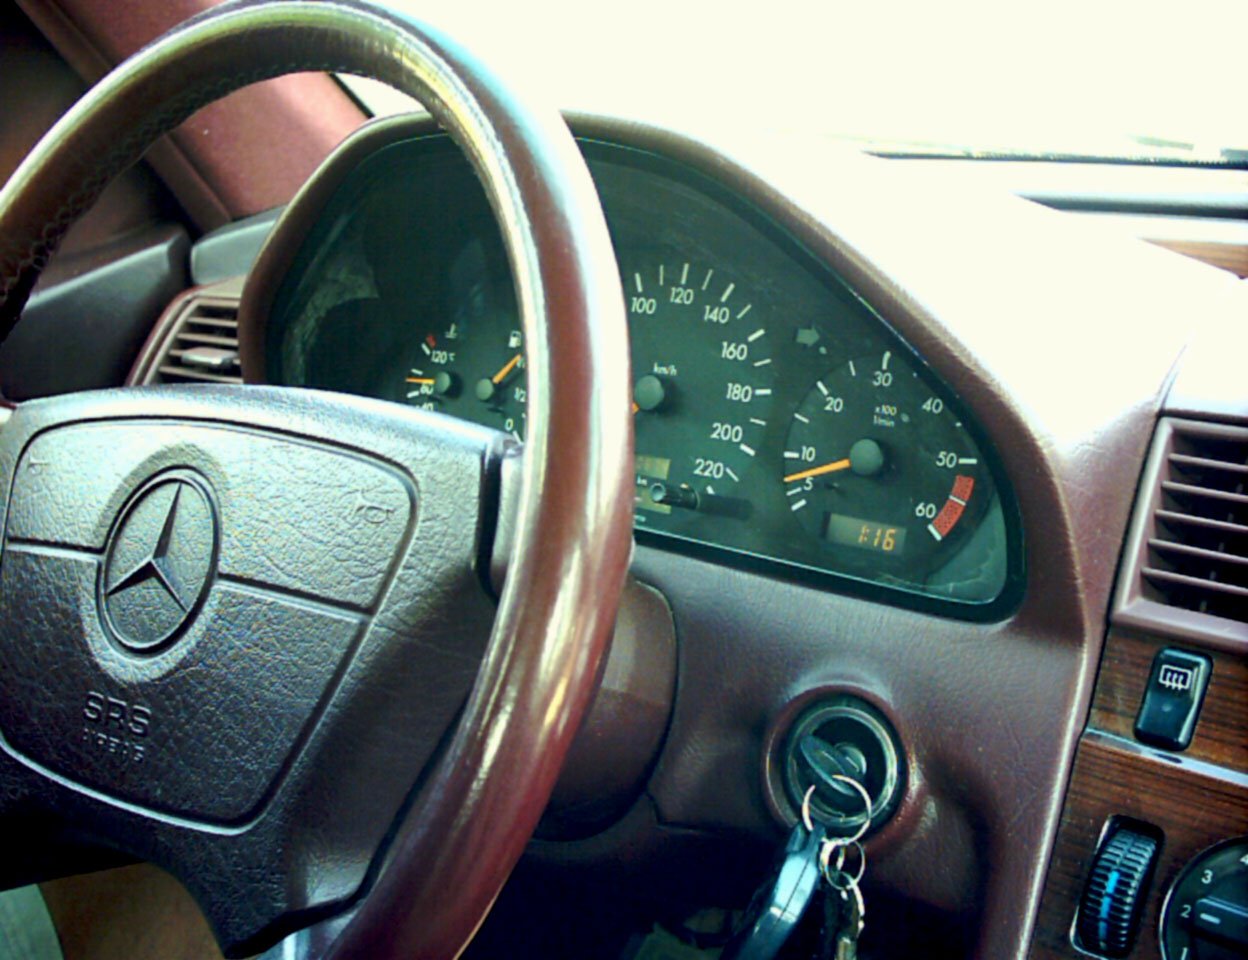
(502, 374)
(428, 380)
(832, 467)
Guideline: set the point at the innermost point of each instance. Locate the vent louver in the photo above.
(199, 343)
(1190, 556)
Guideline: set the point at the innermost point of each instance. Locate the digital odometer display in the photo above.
(867, 534)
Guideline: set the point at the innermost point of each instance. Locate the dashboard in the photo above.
(385, 277)
(780, 423)
(997, 320)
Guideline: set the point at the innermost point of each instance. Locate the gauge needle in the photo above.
(819, 471)
(502, 374)
(419, 379)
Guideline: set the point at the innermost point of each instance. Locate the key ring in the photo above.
(825, 856)
(809, 824)
(806, 821)
(867, 807)
(859, 903)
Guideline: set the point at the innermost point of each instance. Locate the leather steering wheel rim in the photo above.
(475, 812)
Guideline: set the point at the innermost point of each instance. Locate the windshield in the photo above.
(1113, 80)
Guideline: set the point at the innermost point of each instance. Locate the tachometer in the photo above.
(879, 470)
(703, 384)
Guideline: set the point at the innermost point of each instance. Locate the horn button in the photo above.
(163, 554)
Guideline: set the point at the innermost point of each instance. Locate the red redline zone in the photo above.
(952, 511)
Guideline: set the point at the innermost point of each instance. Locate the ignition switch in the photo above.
(843, 738)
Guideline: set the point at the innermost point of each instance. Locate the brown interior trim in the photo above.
(137, 911)
(45, 88)
(1133, 606)
(974, 832)
(226, 294)
(284, 127)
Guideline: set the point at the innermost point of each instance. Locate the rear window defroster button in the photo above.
(1172, 699)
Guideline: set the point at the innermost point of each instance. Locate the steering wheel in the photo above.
(245, 633)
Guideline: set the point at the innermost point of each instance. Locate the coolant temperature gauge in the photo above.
(428, 384)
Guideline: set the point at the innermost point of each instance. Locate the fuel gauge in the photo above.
(505, 392)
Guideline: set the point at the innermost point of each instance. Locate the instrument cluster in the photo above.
(780, 423)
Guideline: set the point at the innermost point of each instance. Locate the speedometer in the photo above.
(702, 394)
(878, 469)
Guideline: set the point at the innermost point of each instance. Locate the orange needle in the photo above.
(635, 406)
(501, 375)
(420, 379)
(818, 471)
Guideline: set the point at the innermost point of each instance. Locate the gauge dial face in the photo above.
(702, 387)
(877, 469)
(462, 380)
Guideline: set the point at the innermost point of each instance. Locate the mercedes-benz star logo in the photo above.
(159, 561)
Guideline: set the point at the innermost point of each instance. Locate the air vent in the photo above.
(196, 341)
(204, 346)
(1189, 546)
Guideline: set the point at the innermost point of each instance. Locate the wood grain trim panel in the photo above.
(1221, 737)
(1226, 256)
(1196, 798)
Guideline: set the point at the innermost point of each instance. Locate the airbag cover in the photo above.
(133, 535)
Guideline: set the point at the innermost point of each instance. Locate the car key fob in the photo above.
(781, 901)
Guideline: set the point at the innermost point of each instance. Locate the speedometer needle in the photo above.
(502, 374)
(832, 467)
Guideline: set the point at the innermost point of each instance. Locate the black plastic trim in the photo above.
(83, 332)
(231, 250)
